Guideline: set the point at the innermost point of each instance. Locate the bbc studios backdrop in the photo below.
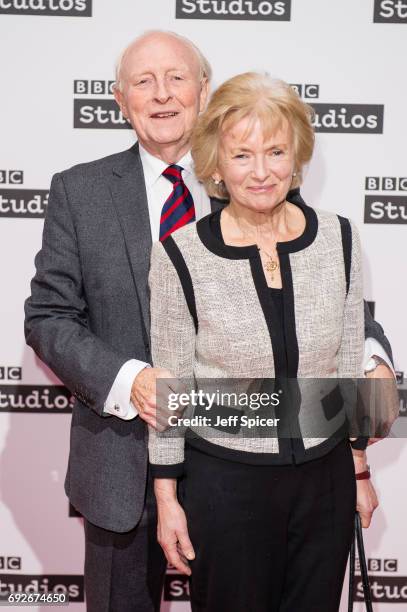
(57, 66)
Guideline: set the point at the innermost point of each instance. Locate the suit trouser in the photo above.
(124, 572)
(269, 538)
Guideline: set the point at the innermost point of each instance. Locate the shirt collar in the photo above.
(153, 167)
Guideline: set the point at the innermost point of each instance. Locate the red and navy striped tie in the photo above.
(179, 209)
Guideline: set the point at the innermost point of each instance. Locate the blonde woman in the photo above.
(257, 290)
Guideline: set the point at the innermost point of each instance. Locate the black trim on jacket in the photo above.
(281, 458)
(184, 276)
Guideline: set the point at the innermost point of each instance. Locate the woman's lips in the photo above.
(262, 189)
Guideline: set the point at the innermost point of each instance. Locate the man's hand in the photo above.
(366, 498)
(382, 371)
(389, 392)
(144, 398)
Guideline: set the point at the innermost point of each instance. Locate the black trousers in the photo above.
(124, 572)
(269, 538)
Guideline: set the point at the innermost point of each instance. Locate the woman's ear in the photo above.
(216, 177)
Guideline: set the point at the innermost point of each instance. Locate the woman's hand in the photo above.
(366, 501)
(172, 530)
(366, 498)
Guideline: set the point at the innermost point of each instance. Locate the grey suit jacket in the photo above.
(88, 313)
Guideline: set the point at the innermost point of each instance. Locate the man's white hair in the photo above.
(204, 66)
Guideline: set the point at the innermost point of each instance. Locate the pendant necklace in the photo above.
(271, 265)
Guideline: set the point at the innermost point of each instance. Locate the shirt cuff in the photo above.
(167, 471)
(359, 443)
(373, 347)
(118, 402)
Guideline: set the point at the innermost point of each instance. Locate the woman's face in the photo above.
(256, 170)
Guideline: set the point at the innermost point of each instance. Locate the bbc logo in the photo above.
(307, 91)
(386, 183)
(94, 88)
(11, 177)
(10, 563)
(10, 373)
(379, 565)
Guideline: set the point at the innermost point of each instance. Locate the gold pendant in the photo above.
(271, 266)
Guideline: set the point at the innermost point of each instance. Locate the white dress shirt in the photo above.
(158, 188)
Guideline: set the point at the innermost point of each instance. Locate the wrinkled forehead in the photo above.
(159, 54)
(245, 125)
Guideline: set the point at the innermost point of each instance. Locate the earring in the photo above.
(294, 174)
(216, 181)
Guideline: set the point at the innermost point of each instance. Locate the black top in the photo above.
(275, 295)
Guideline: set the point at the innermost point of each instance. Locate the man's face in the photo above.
(161, 92)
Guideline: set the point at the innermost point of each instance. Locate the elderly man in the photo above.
(88, 315)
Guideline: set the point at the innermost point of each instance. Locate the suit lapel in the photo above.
(129, 196)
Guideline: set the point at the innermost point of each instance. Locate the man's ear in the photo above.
(204, 94)
(118, 96)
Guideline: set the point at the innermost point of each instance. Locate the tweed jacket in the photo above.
(235, 332)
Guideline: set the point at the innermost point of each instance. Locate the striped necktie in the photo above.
(179, 209)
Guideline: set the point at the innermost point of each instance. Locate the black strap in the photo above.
(363, 567)
(184, 276)
(351, 574)
(346, 232)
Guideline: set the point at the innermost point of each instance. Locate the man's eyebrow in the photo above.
(134, 75)
(183, 68)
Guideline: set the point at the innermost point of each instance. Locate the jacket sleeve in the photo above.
(173, 348)
(56, 314)
(373, 329)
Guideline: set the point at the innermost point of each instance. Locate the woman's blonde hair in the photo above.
(257, 96)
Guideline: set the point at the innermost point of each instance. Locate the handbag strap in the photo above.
(363, 567)
(352, 555)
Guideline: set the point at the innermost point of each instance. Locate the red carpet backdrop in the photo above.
(57, 68)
